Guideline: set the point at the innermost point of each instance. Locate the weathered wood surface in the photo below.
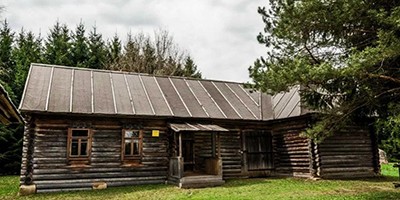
(347, 154)
(52, 172)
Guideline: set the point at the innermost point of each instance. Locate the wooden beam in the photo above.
(180, 144)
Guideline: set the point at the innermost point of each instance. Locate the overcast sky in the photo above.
(220, 35)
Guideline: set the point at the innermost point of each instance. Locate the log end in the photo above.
(99, 185)
(27, 190)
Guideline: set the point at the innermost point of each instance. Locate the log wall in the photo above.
(52, 172)
(230, 146)
(291, 151)
(348, 154)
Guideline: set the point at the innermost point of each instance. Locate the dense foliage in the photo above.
(158, 55)
(345, 54)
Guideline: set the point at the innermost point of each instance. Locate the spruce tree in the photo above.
(97, 51)
(79, 47)
(58, 46)
(7, 64)
(28, 49)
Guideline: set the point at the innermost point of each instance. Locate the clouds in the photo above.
(219, 34)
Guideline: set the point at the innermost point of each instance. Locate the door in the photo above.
(258, 149)
(188, 151)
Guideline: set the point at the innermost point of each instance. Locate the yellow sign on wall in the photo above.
(155, 133)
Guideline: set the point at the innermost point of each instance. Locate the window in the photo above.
(79, 144)
(131, 144)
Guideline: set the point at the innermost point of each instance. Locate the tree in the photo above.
(154, 55)
(27, 50)
(345, 54)
(7, 64)
(79, 47)
(190, 68)
(114, 50)
(97, 51)
(58, 45)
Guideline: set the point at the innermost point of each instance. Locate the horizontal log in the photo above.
(103, 175)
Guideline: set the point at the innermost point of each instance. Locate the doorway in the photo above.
(188, 152)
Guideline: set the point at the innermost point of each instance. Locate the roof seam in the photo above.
(234, 109)
(49, 88)
(72, 90)
(113, 93)
(130, 95)
(25, 88)
(287, 102)
(198, 100)
(241, 87)
(180, 97)
(241, 101)
(147, 95)
(92, 90)
(163, 95)
(209, 95)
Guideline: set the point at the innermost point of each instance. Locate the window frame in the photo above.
(132, 157)
(89, 145)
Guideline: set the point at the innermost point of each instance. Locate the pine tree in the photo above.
(58, 46)
(79, 47)
(97, 51)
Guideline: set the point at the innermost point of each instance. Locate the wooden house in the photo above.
(89, 129)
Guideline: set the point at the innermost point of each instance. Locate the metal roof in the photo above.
(60, 89)
(177, 127)
(288, 104)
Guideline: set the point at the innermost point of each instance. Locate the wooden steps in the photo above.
(198, 181)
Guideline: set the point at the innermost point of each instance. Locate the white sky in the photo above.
(220, 35)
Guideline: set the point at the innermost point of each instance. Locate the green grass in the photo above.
(266, 188)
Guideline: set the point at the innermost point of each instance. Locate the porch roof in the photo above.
(177, 127)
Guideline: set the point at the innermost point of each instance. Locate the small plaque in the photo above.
(155, 133)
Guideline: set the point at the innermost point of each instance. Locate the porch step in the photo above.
(201, 181)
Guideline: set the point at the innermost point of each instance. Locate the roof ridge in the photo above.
(131, 73)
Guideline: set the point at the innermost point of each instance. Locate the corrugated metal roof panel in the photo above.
(155, 95)
(122, 99)
(140, 102)
(49, 88)
(37, 89)
(177, 127)
(246, 98)
(190, 100)
(102, 92)
(205, 100)
(177, 105)
(81, 93)
(220, 100)
(234, 101)
(60, 90)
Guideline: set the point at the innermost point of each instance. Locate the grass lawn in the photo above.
(266, 188)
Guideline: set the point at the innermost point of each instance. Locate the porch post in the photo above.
(219, 145)
(213, 152)
(180, 144)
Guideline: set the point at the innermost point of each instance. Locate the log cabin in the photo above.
(93, 129)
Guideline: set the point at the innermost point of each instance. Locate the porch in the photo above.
(196, 156)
